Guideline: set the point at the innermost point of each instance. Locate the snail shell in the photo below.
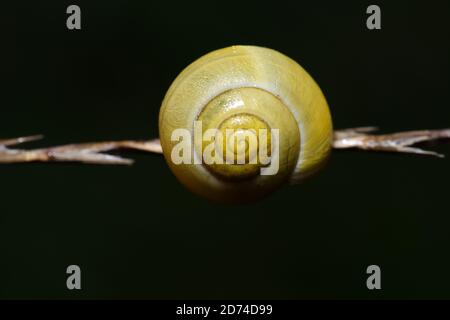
(247, 88)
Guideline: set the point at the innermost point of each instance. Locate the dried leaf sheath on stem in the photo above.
(360, 138)
(94, 153)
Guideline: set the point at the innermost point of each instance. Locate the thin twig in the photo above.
(395, 142)
(94, 153)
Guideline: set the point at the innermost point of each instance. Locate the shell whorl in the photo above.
(272, 89)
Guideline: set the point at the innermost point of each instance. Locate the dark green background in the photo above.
(137, 233)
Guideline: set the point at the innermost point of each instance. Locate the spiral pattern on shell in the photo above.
(244, 91)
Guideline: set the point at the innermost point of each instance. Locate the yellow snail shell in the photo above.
(247, 88)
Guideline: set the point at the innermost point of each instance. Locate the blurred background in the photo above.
(137, 233)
